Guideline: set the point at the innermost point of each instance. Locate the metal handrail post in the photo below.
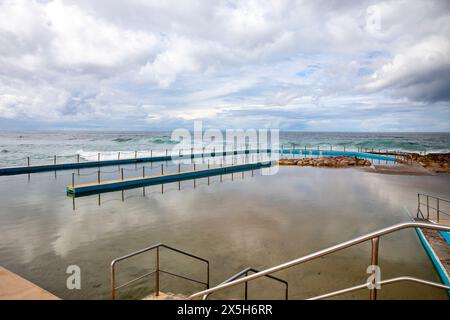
(157, 272)
(246, 288)
(113, 281)
(418, 205)
(207, 274)
(374, 262)
(437, 209)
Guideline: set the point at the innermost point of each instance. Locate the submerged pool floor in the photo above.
(257, 221)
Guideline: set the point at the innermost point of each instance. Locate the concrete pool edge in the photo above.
(15, 287)
(443, 275)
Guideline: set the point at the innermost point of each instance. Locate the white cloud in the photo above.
(180, 56)
(421, 72)
(282, 62)
(79, 39)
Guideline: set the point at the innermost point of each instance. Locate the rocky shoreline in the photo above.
(330, 162)
(438, 162)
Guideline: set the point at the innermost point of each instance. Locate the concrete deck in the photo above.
(14, 287)
(400, 169)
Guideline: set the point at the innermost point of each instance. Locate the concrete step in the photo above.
(166, 296)
(14, 287)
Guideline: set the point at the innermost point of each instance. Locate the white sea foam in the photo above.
(114, 155)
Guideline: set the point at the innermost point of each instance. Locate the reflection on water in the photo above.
(257, 221)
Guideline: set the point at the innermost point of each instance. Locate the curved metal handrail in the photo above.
(374, 236)
(245, 272)
(383, 282)
(157, 270)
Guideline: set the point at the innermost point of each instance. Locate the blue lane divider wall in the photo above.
(114, 185)
(338, 153)
(103, 163)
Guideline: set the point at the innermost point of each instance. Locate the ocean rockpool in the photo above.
(257, 221)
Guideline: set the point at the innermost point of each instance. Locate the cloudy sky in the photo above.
(294, 65)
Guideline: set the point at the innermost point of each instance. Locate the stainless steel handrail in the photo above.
(157, 271)
(383, 282)
(245, 272)
(373, 236)
(428, 206)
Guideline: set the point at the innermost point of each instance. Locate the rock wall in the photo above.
(439, 162)
(332, 162)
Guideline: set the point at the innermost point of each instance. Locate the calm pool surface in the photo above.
(257, 221)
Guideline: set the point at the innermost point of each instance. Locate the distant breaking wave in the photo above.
(163, 140)
(122, 139)
(143, 139)
(114, 155)
(407, 142)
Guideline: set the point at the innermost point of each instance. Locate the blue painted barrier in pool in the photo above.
(114, 185)
(446, 236)
(339, 153)
(90, 164)
(104, 163)
(434, 259)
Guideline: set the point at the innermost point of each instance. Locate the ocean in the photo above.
(41, 147)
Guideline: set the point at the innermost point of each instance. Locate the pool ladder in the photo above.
(243, 276)
(157, 270)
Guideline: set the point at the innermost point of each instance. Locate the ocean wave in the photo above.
(398, 143)
(163, 140)
(158, 140)
(391, 144)
(122, 139)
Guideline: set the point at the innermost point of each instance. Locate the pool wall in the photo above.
(91, 164)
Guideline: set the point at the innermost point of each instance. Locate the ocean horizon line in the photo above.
(169, 130)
